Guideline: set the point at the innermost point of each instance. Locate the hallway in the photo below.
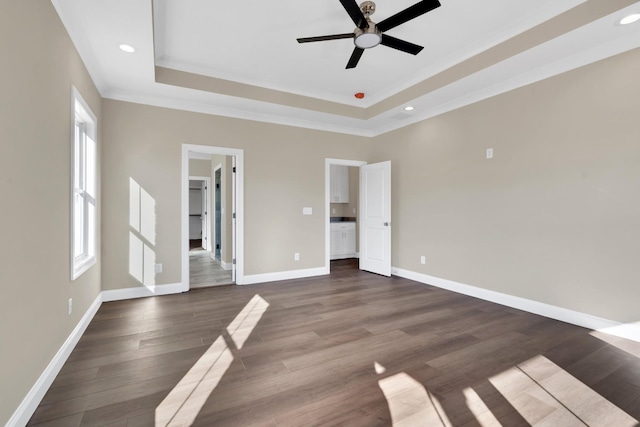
(204, 271)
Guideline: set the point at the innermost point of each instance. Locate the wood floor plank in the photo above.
(325, 351)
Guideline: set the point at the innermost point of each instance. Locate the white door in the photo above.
(205, 216)
(375, 222)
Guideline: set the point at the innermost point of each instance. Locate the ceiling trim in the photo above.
(232, 88)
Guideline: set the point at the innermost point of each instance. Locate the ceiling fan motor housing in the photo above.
(368, 8)
(370, 36)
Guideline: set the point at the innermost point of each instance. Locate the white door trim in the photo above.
(327, 204)
(224, 151)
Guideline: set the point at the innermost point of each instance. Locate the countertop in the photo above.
(342, 219)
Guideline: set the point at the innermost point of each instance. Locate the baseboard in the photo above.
(30, 403)
(284, 275)
(345, 256)
(628, 331)
(141, 292)
(225, 265)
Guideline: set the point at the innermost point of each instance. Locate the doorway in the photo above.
(199, 207)
(342, 215)
(373, 215)
(225, 247)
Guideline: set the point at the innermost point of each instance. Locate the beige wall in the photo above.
(554, 216)
(284, 172)
(198, 167)
(35, 152)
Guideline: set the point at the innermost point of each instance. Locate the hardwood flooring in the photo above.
(204, 271)
(349, 349)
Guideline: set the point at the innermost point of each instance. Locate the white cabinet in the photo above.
(343, 240)
(339, 183)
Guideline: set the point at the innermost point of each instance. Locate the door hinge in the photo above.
(234, 215)
(234, 261)
(234, 169)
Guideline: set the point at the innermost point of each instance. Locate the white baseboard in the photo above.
(628, 331)
(141, 292)
(226, 265)
(284, 275)
(345, 256)
(30, 403)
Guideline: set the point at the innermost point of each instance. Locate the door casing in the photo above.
(238, 238)
(327, 203)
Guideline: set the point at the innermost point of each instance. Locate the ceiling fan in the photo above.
(368, 34)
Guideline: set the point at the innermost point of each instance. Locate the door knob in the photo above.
(386, 224)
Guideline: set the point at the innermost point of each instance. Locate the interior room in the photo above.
(405, 213)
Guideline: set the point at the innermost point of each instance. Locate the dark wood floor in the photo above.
(352, 349)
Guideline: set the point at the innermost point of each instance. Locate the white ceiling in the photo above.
(253, 42)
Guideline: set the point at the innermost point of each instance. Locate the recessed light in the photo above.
(630, 19)
(127, 48)
(408, 108)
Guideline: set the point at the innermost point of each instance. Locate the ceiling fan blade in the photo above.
(325, 38)
(355, 13)
(402, 45)
(355, 57)
(408, 14)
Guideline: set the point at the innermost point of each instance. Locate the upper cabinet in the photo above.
(339, 177)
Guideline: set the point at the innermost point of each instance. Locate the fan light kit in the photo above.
(368, 34)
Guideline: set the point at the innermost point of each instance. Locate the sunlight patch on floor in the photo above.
(242, 326)
(410, 404)
(546, 395)
(479, 409)
(185, 401)
(613, 336)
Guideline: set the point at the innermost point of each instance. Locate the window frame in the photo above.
(83, 132)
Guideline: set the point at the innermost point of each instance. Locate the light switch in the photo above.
(307, 211)
(489, 153)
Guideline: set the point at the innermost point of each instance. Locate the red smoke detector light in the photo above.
(359, 95)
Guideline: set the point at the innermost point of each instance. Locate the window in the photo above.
(83, 191)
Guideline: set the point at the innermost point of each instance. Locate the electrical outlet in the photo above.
(296, 256)
(333, 210)
(423, 260)
(489, 153)
(159, 268)
(70, 306)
